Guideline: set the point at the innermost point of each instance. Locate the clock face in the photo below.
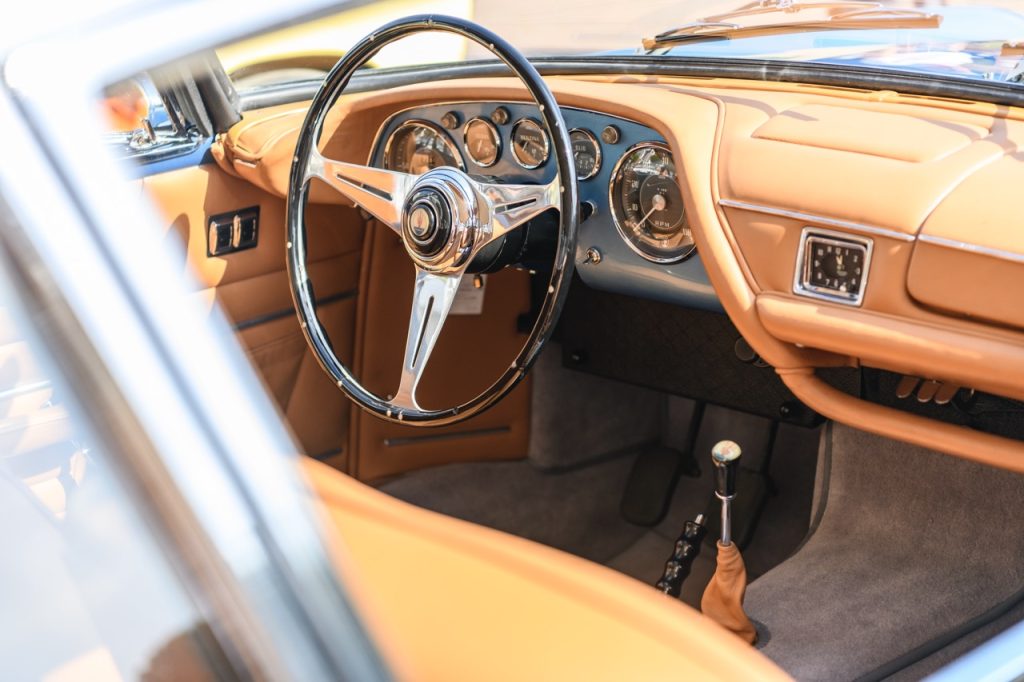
(836, 267)
(833, 268)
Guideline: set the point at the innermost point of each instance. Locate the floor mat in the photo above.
(911, 545)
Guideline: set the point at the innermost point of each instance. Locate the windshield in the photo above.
(962, 39)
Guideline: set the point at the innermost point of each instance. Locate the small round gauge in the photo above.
(483, 143)
(647, 206)
(418, 146)
(529, 143)
(586, 153)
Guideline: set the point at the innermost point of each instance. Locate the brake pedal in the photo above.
(652, 481)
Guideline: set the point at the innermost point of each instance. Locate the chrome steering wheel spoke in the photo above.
(380, 192)
(432, 299)
(511, 206)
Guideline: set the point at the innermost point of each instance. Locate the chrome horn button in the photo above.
(427, 222)
(440, 220)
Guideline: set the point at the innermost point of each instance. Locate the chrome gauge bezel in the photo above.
(494, 134)
(597, 156)
(544, 136)
(613, 205)
(422, 123)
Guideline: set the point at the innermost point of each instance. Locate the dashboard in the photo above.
(839, 227)
(635, 235)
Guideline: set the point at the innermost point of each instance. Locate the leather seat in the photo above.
(450, 600)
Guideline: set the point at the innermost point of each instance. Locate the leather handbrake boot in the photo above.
(723, 597)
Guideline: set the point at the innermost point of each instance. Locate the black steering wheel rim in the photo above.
(563, 263)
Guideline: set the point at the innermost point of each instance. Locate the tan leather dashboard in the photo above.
(928, 182)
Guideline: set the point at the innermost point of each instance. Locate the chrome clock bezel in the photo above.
(614, 211)
(512, 142)
(449, 143)
(494, 134)
(598, 158)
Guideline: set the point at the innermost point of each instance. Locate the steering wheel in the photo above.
(444, 218)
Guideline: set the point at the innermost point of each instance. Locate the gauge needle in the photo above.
(647, 215)
(526, 144)
(657, 204)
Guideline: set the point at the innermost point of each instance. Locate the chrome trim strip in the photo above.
(24, 389)
(818, 219)
(973, 248)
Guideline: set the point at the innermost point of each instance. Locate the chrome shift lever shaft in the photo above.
(726, 458)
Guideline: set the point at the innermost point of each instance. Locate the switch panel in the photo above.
(232, 232)
(832, 266)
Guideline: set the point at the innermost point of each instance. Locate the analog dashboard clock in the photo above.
(833, 266)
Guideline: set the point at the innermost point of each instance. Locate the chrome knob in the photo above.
(726, 458)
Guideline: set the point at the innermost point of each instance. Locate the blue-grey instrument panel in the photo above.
(507, 151)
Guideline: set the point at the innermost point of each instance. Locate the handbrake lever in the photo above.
(679, 565)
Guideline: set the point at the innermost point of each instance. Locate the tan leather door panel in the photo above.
(472, 352)
(252, 288)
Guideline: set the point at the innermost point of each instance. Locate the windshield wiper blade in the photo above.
(829, 16)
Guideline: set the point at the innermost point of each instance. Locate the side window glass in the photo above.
(88, 590)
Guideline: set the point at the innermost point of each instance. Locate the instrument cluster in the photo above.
(635, 217)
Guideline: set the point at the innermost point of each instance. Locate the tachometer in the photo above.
(418, 146)
(647, 207)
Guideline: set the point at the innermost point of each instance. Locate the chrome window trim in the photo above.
(859, 228)
(159, 350)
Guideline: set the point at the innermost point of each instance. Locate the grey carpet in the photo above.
(910, 544)
(575, 510)
(578, 417)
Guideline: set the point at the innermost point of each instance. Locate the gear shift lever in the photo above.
(723, 597)
(726, 458)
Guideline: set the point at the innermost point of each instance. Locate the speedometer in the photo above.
(647, 206)
(418, 146)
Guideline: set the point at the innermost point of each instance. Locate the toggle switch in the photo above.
(232, 232)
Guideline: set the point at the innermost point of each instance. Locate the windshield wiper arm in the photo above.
(830, 16)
